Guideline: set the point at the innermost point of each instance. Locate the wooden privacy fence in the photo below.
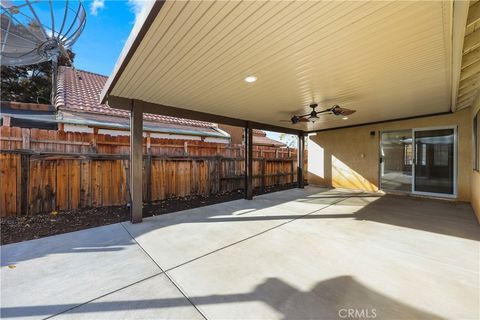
(14, 138)
(43, 179)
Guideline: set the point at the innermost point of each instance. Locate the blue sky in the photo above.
(108, 25)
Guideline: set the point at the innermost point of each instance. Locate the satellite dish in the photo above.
(35, 31)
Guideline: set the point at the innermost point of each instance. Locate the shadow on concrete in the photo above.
(437, 216)
(110, 238)
(336, 298)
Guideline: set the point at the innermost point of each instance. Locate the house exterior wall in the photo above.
(349, 158)
(80, 128)
(475, 178)
(236, 133)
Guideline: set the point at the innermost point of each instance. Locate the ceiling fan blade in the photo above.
(297, 119)
(346, 112)
(339, 111)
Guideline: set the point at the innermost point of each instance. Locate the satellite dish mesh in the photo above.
(37, 31)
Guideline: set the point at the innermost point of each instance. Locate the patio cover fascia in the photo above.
(155, 108)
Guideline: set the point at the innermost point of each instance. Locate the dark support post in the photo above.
(136, 163)
(248, 135)
(301, 160)
(148, 169)
(24, 177)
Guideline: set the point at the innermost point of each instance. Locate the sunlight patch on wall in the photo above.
(345, 177)
(316, 162)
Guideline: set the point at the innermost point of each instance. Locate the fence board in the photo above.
(63, 171)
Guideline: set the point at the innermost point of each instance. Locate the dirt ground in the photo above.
(21, 228)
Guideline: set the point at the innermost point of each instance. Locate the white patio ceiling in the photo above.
(385, 59)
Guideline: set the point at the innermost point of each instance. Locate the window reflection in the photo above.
(434, 170)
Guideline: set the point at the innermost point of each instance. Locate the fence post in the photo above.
(25, 138)
(126, 165)
(185, 148)
(219, 173)
(148, 170)
(6, 121)
(292, 170)
(149, 143)
(263, 168)
(93, 143)
(24, 177)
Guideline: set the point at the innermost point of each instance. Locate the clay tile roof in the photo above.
(259, 133)
(80, 90)
(260, 138)
(266, 141)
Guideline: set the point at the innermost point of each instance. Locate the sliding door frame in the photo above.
(414, 151)
(380, 156)
(455, 162)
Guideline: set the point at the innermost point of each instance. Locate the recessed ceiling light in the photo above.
(250, 79)
(345, 118)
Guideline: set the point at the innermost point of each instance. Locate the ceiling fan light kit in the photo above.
(313, 116)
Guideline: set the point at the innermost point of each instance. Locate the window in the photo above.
(440, 155)
(423, 161)
(408, 157)
(476, 142)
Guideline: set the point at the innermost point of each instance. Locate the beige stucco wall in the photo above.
(475, 179)
(349, 158)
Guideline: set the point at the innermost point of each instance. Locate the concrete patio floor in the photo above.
(295, 254)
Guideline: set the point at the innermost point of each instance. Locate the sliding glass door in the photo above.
(434, 163)
(421, 161)
(396, 156)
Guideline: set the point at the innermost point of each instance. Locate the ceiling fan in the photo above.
(313, 115)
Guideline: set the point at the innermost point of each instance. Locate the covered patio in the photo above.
(339, 248)
(264, 65)
(301, 254)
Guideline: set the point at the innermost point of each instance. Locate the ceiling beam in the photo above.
(473, 14)
(466, 97)
(119, 103)
(154, 108)
(466, 103)
(471, 57)
(469, 71)
(472, 41)
(460, 14)
(469, 82)
(474, 86)
(383, 121)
